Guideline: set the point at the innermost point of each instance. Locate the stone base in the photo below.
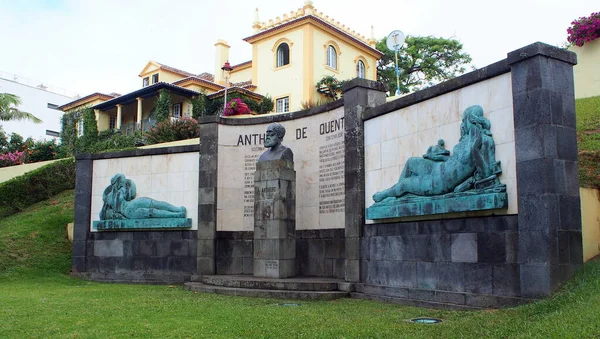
(274, 268)
(141, 224)
(450, 203)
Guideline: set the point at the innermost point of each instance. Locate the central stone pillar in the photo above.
(275, 219)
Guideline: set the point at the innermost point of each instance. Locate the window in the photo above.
(177, 111)
(145, 82)
(53, 106)
(331, 57)
(80, 127)
(360, 69)
(283, 55)
(154, 78)
(112, 122)
(283, 105)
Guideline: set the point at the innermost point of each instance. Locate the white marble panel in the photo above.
(191, 162)
(503, 127)
(451, 134)
(174, 164)
(372, 131)
(307, 218)
(426, 139)
(511, 191)
(408, 147)
(505, 153)
(159, 164)
(373, 185)
(175, 182)
(231, 220)
(331, 220)
(446, 109)
(500, 93)
(100, 168)
(389, 153)
(425, 115)
(159, 183)
(390, 126)
(407, 120)
(114, 167)
(143, 182)
(191, 181)
(476, 94)
(390, 176)
(373, 157)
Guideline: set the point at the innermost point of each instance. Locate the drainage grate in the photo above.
(425, 320)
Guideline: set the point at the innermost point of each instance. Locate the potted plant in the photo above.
(236, 107)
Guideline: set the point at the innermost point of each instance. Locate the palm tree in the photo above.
(9, 111)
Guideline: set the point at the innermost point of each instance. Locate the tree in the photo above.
(9, 111)
(422, 61)
(330, 87)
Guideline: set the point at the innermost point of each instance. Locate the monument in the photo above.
(122, 210)
(439, 182)
(275, 209)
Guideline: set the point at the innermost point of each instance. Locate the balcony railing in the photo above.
(129, 129)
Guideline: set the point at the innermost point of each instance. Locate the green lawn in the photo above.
(588, 141)
(38, 299)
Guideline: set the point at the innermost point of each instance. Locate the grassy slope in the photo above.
(588, 137)
(39, 299)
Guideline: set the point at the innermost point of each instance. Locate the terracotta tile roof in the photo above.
(198, 79)
(83, 99)
(234, 89)
(241, 83)
(206, 76)
(175, 70)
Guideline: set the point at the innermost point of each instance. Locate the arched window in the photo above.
(360, 69)
(283, 55)
(331, 57)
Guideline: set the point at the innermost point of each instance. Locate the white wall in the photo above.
(319, 165)
(34, 101)
(167, 177)
(392, 138)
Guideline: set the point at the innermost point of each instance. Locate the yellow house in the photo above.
(290, 54)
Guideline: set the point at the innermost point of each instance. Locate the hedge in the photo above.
(37, 185)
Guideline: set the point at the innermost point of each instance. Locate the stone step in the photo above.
(250, 282)
(265, 293)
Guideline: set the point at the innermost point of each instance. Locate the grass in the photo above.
(39, 299)
(588, 141)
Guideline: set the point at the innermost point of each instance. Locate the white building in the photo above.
(37, 99)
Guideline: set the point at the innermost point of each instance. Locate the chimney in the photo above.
(221, 56)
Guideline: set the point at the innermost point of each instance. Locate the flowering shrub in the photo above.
(11, 158)
(235, 107)
(584, 29)
(180, 129)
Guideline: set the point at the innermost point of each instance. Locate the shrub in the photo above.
(12, 158)
(37, 185)
(584, 29)
(236, 107)
(42, 151)
(163, 106)
(167, 131)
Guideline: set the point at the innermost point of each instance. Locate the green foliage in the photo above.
(266, 105)
(42, 150)
(162, 110)
(215, 106)
(68, 134)
(37, 185)
(16, 143)
(423, 61)
(87, 141)
(588, 141)
(198, 105)
(330, 87)
(167, 131)
(3, 141)
(9, 104)
(308, 104)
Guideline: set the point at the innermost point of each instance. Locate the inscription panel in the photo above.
(318, 146)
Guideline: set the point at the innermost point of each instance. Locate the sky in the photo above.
(89, 46)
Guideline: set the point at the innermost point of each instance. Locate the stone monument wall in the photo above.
(140, 255)
(488, 258)
(316, 137)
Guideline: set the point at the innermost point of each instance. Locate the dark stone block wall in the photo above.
(155, 256)
(425, 259)
(234, 252)
(319, 253)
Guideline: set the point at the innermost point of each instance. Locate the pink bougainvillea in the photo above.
(12, 158)
(236, 107)
(584, 29)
